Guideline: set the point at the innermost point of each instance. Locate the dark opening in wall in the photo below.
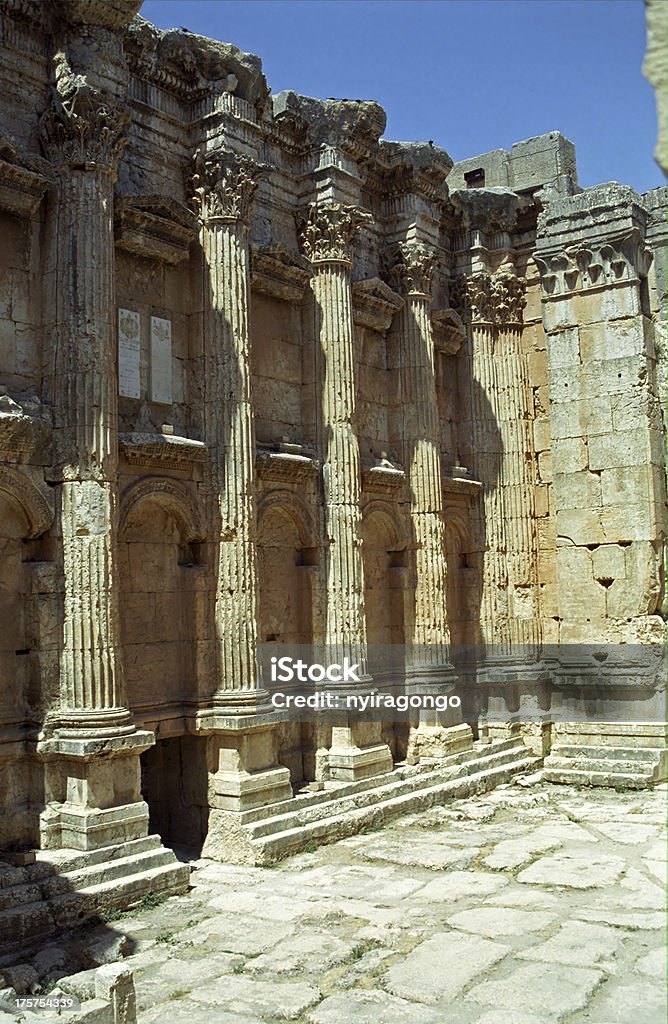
(475, 179)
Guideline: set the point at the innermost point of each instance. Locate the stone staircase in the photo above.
(622, 756)
(268, 834)
(63, 888)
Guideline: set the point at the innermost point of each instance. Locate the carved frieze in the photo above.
(23, 431)
(279, 273)
(584, 267)
(168, 451)
(374, 304)
(23, 179)
(327, 232)
(497, 299)
(223, 184)
(409, 268)
(385, 477)
(154, 226)
(289, 464)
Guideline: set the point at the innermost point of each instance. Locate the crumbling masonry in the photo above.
(265, 377)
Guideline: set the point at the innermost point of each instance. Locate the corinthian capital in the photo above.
(223, 185)
(86, 130)
(496, 299)
(328, 232)
(410, 267)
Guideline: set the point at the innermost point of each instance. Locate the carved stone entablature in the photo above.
(455, 480)
(23, 179)
(168, 451)
(87, 130)
(97, 12)
(289, 463)
(417, 168)
(223, 185)
(489, 210)
(23, 431)
(496, 299)
(409, 268)
(385, 477)
(279, 273)
(352, 127)
(585, 267)
(448, 331)
(327, 232)
(374, 304)
(154, 226)
(191, 66)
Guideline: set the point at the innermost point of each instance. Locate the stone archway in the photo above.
(287, 585)
(160, 533)
(25, 515)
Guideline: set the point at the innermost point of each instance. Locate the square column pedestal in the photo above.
(436, 734)
(244, 774)
(93, 791)
(357, 752)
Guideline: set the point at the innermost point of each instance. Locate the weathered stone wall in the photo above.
(265, 377)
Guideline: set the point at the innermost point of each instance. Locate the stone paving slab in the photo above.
(499, 909)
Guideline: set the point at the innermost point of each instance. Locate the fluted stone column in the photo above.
(410, 267)
(91, 802)
(327, 237)
(243, 757)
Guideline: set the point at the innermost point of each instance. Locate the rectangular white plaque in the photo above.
(161, 360)
(129, 349)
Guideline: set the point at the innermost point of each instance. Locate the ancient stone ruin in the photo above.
(267, 378)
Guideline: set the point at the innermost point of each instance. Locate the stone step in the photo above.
(118, 868)
(267, 849)
(345, 789)
(120, 893)
(608, 766)
(386, 788)
(649, 755)
(614, 780)
(74, 860)
(25, 923)
(18, 895)
(610, 734)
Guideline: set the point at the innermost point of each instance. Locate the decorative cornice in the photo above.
(374, 304)
(23, 179)
(416, 168)
(409, 268)
(279, 273)
(327, 232)
(168, 451)
(85, 131)
(496, 299)
(223, 185)
(154, 226)
(454, 481)
(383, 478)
(21, 433)
(448, 331)
(351, 127)
(489, 209)
(587, 267)
(290, 464)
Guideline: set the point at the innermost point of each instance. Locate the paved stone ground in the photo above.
(528, 905)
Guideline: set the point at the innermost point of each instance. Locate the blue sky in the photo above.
(471, 75)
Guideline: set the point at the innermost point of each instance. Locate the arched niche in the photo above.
(460, 578)
(287, 559)
(384, 554)
(25, 516)
(160, 532)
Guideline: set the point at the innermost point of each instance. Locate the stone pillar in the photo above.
(492, 305)
(410, 268)
(327, 238)
(243, 747)
(90, 743)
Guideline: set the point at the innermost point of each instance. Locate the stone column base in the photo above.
(244, 772)
(356, 752)
(434, 741)
(92, 791)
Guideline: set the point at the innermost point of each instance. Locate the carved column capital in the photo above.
(222, 185)
(327, 233)
(409, 268)
(87, 130)
(599, 265)
(497, 299)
